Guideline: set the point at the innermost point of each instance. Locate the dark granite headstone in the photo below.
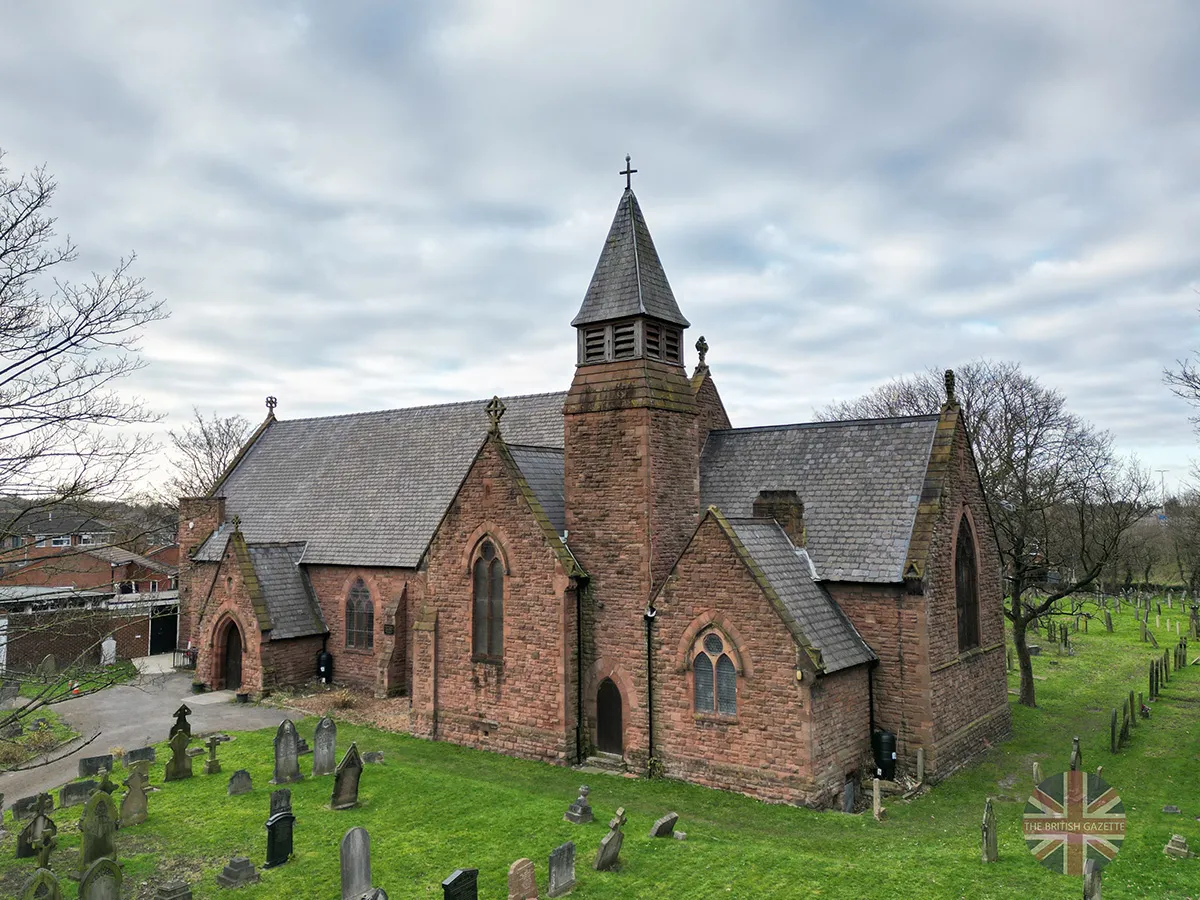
(610, 845)
(580, 812)
(141, 754)
(325, 747)
(345, 780)
(94, 765)
(101, 881)
(562, 870)
(181, 722)
(173, 890)
(240, 783)
(664, 827)
(42, 885)
(356, 863)
(238, 871)
(179, 766)
(280, 826)
(98, 828)
(287, 764)
(75, 792)
(461, 884)
(849, 789)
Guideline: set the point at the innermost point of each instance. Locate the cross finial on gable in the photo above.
(628, 173)
(495, 411)
(702, 349)
(272, 403)
(237, 522)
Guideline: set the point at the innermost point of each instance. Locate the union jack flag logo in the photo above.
(1071, 818)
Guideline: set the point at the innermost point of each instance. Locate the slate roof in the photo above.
(543, 470)
(291, 603)
(790, 572)
(368, 489)
(860, 482)
(117, 556)
(629, 279)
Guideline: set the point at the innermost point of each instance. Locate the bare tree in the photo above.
(203, 450)
(1061, 499)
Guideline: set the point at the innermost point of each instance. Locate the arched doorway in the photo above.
(231, 660)
(608, 718)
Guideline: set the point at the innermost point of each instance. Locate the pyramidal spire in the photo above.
(629, 279)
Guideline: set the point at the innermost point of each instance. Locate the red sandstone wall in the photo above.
(708, 403)
(212, 608)
(841, 732)
(290, 662)
(198, 518)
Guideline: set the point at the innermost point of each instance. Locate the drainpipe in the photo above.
(871, 693)
(649, 615)
(579, 588)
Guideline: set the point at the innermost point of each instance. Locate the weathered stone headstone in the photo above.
(212, 765)
(345, 780)
(35, 832)
(239, 783)
(9, 691)
(877, 802)
(1177, 848)
(133, 804)
(1091, 880)
(28, 807)
(580, 812)
(522, 882)
(287, 763)
(108, 651)
(181, 722)
(356, 863)
(610, 845)
(562, 870)
(43, 847)
(94, 765)
(461, 884)
(101, 881)
(48, 666)
(849, 789)
(1114, 736)
(141, 754)
(106, 784)
(180, 764)
(42, 885)
(238, 871)
(373, 757)
(76, 792)
(664, 827)
(280, 826)
(1172, 809)
(98, 829)
(173, 890)
(1076, 755)
(325, 747)
(1037, 773)
(988, 829)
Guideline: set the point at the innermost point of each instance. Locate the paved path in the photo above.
(134, 715)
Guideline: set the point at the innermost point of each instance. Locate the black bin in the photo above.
(325, 667)
(883, 745)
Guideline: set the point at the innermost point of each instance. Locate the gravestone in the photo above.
(373, 757)
(664, 827)
(325, 747)
(180, 764)
(133, 804)
(1133, 710)
(181, 722)
(356, 863)
(108, 651)
(42, 885)
(580, 812)
(211, 765)
(1171, 809)
(302, 746)
(28, 807)
(43, 847)
(562, 870)
(238, 871)
(141, 754)
(610, 845)
(173, 890)
(9, 692)
(877, 801)
(849, 789)
(102, 881)
(287, 763)
(988, 828)
(34, 832)
(1076, 755)
(461, 884)
(94, 765)
(1114, 736)
(106, 784)
(97, 829)
(48, 666)
(75, 792)
(1037, 773)
(522, 882)
(345, 780)
(280, 826)
(1177, 848)
(239, 783)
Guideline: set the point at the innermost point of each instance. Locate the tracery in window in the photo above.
(360, 617)
(488, 607)
(714, 676)
(966, 588)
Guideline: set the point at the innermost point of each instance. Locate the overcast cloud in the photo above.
(358, 205)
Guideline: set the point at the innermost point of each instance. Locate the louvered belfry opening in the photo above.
(966, 587)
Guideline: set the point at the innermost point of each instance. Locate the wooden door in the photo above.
(608, 718)
(233, 659)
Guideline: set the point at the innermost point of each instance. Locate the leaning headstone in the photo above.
(325, 747)
(141, 754)
(664, 827)
(75, 792)
(94, 765)
(345, 780)
(988, 828)
(108, 651)
(98, 829)
(562, 870)
(287, 763)
(280, 827)
(212, 765)
(1177, 848)
(133, 804)
(173, 890)
(1076, 756)
(28, 807)
(180, 764)
(610, 845)
(35, 832)
(239, 783)
(522, 882)
(42, 885)
(181, 722)
(102, 881)
(238, 871)
(461, 884)
(580, 812)
(356, 863)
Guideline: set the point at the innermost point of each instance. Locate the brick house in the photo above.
(616, 572)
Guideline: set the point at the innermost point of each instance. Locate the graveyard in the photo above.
(429, 809)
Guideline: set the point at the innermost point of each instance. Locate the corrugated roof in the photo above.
(860, 483)
(629, 279)
(368, 489)
(543, 470)
(789, 571)
(291, 603)
(118, 556)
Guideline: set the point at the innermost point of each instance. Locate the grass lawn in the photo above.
(434, 807)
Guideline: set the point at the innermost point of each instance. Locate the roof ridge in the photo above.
(884, 420)
(395, 409)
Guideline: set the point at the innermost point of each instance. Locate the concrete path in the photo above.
(134, 715)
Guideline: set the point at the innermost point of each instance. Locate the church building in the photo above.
(617, 573)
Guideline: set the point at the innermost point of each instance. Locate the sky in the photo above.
(367, 205)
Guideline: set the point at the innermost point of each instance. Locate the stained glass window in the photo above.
(360, 617)
(488, 606)
(966, 588)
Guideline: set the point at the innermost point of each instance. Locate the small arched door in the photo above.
(608, 718)
(231, 669)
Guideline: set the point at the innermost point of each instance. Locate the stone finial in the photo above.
(271, 404)
(495, 412)
(701, 350)
(949, 379)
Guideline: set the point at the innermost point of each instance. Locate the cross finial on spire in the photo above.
(702, 349)
(628, 173)
(272, 403)
(495, 411)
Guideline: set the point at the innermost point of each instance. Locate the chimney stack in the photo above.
(786, 509)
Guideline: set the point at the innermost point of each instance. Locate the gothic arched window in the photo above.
(966, 588)
(488, 607)
(714, 676)
(360, 617)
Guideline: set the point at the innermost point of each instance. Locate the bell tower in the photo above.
(631, 469)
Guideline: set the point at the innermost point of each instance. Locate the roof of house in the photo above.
(291, 602)
(369, 488)
(542, 468)
(629, 279)
(119, 556)
(790, 572)
(860, 483)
